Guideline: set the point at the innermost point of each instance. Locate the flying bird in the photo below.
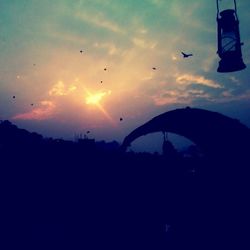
(13, 96)
(121, 119)
(32, 104)
(101, 81)
(88, 132)
(186, 55)
(81, 51)
(154, 68)
(105, 69)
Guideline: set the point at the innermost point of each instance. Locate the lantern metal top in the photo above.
(235, 9)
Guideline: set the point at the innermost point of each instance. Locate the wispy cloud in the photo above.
(41, 113)
(208, 62)
(157, 2)
(168, 97)
(228, 96)
(59, 89)
(66, 36)
(188, 79)
(142, 31)
(111, 48)
(142, 43)
(234, 79)
(99, 20)
(179, 96)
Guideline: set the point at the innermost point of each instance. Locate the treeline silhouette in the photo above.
(59, 194)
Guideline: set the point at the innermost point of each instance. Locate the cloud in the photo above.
(143, 31)
(42, 113)
(226, 93)
(66, 36)
(179, 97)
(110, 47)
(228, 96)
(208, 63)
(142, 43)
(59, 89)
(174, 57)
(234, 79)
(100, 21)
(168, 97)
(188, 79)
(157, 2)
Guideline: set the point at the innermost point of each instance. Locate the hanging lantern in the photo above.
(229, 44)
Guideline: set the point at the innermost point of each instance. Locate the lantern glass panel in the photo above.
(228, 41)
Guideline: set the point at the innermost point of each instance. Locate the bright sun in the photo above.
(95, 98)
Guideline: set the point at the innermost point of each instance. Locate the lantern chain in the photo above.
(217, 1)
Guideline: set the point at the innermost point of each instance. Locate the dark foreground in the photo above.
(58, 195)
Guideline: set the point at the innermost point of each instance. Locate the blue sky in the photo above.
(41, 64)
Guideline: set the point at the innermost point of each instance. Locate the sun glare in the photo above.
(95, 98)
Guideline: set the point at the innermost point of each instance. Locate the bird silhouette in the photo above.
(105, 69)
(32, 104)
(121, 119)
(13, 97)
(154, 68)
(81, 51)
(186, 55)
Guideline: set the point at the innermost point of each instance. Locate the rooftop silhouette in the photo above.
(90, 194)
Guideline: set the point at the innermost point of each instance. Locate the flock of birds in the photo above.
(185, 55)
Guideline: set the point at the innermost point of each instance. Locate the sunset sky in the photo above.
(69, 66)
